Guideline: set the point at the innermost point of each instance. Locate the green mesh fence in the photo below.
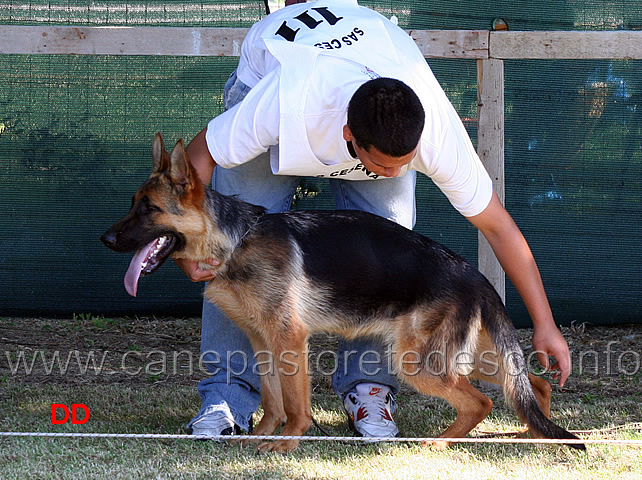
(76, 133)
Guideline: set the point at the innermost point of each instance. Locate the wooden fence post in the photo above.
(490, 146)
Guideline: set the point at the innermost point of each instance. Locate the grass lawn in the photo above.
(148, 400)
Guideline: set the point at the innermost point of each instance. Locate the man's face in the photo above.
(381, 164)
(377, 162)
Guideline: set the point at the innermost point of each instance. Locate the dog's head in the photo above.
(164, 212)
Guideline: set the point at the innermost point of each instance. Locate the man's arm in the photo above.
(200, 157)
(517, 260)
(240, 138)
(204, 164)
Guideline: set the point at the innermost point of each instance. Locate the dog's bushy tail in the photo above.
(517, 386)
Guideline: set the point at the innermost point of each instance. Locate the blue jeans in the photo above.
(225, 349)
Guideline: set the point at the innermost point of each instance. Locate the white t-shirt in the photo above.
(304, 63)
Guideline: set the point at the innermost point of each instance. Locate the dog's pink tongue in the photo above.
(135, 269)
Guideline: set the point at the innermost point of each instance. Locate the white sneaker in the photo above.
(370, 407)
(214, 422)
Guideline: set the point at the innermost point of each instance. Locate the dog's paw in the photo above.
(238, 443)
(278, 446)
(248, 442)
(438, 445)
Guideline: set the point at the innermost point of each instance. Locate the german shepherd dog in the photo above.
(284, 276)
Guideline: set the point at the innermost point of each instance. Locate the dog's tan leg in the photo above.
(488, 367)
(542, 390)
(472, 406)
(271, 396)
(272, 401)
(295, 388)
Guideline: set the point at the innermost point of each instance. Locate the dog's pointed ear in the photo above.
(159, 155)
(181, 171)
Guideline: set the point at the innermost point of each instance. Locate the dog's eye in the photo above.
(153, 208)
(146, 207)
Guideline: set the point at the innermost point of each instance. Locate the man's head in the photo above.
(385, 121)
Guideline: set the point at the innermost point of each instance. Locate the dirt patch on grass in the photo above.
(97, 350)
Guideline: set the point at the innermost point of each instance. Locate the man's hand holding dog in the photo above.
(194, 271)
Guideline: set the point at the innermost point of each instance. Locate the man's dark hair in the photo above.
(386, 114)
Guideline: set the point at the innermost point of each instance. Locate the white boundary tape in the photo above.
(322, 438)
